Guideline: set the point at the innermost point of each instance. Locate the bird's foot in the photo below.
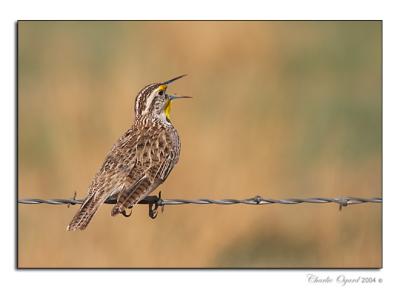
(125, 214)
(153, 207)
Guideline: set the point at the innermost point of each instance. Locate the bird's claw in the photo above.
(153, 207)
(125, 214)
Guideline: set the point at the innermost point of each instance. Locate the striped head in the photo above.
(153, 100)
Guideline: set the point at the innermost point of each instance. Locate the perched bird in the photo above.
(139, 161)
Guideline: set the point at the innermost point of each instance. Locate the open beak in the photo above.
(171, 96)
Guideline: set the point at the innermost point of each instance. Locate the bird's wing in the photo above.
(130, 195)
(109, 180)
(155, 160)
(166, 167)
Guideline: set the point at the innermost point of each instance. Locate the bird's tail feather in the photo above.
(85, 214)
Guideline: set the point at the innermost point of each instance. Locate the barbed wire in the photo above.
(156, 201)
(344, 201)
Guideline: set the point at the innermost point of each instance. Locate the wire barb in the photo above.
(73, 197)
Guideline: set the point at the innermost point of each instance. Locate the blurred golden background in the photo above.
(281, 109)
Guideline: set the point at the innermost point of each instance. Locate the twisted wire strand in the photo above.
(257, 200)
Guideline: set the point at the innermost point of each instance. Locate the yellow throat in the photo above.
(167, 111)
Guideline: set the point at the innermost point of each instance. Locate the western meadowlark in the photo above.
(139, 161)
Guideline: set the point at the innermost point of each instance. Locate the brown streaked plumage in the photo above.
(139, 161)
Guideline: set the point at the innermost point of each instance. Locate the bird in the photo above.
(139, 161)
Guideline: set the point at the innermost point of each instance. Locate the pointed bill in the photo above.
(173, 79)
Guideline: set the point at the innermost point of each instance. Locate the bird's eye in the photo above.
(161, 92)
